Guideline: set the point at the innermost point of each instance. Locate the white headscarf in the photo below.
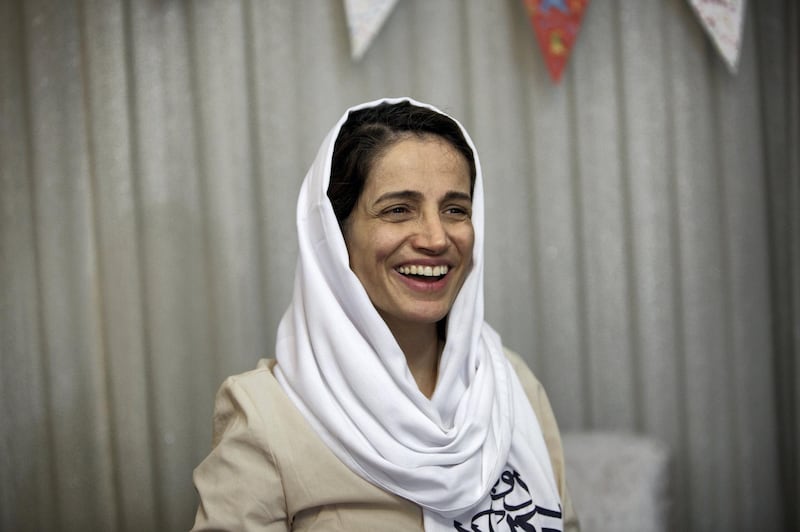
(343, 369)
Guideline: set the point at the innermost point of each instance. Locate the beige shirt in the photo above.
(269, 471)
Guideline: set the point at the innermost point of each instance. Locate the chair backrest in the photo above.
(618, 482)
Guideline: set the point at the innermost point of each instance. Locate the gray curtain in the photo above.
(778, 36)
(642, 231)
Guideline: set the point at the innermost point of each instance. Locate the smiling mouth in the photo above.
(424, 273)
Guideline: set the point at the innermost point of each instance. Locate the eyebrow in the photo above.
(456, 195)
(416, 196)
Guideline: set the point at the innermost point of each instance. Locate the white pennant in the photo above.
(364, 20)
(723, 21)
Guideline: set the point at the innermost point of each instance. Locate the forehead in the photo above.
(420, 162)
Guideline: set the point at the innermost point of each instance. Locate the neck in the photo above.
(422, 348)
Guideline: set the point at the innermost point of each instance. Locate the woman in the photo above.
(392, 405)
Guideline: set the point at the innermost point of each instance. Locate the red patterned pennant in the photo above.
(556, 23)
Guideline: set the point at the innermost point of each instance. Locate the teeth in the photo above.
(427, 271)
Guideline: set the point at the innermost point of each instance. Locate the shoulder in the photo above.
(259, 376)
(547, 421)
(534, 391)
(253, 383)
(517, 362)
(242, 461)
(255, 396)
(533, 388)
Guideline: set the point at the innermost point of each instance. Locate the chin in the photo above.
(426, 318)
(415, 316)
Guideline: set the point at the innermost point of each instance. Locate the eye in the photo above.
(397, 212)
(458, 211)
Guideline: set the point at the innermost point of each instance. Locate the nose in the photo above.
(432, 234)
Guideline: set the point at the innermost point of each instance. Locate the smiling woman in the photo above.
(391, 404)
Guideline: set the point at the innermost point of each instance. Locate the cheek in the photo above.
(466, 240)
(381, 244)
(368, 249)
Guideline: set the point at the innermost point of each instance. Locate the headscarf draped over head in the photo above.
(343, 369)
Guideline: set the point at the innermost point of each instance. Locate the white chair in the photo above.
(618, 482)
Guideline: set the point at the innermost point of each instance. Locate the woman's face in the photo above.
(410, 234)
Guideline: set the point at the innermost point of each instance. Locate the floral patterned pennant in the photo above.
(364, 20)
(723, 21)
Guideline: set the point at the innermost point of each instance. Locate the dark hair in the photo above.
(367, 133)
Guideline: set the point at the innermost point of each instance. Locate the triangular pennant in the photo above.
(723, 21)
(364, 20)
(556, 24)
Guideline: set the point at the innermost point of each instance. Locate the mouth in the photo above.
(423, 273)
